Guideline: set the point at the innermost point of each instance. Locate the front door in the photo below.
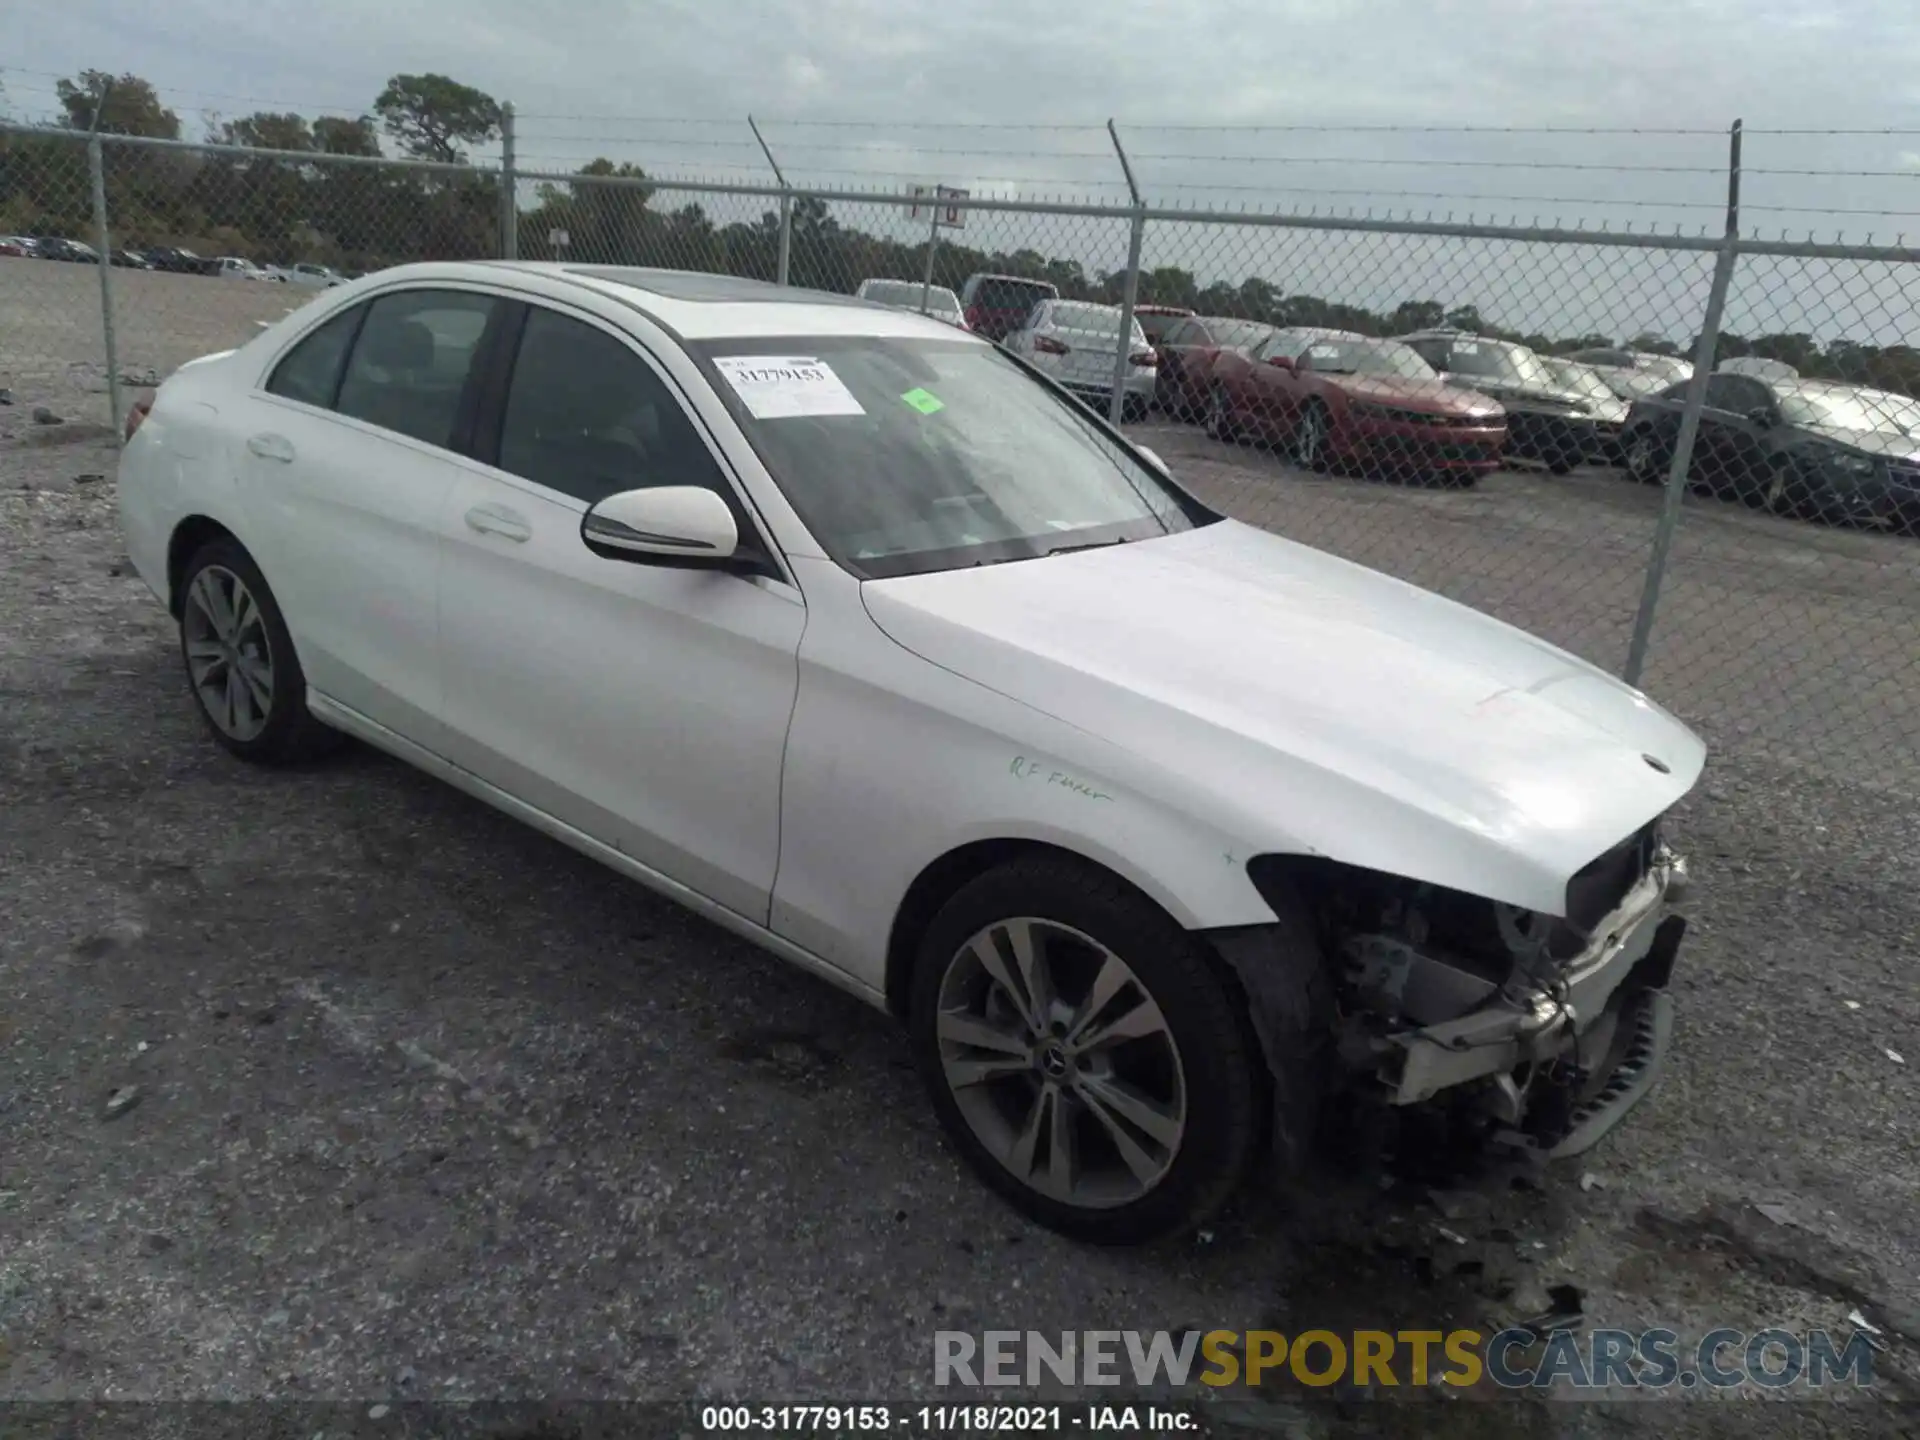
(643, 705)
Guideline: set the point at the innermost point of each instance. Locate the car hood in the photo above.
(1308, 705)
(1892, 443)
(1512, 393)
(1403, 390)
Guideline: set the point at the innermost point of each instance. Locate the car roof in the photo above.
(693, 304)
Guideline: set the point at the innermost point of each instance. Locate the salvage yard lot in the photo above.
(432, 1107)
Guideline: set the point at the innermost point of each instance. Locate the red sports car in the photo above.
(1332, 397)
(1187, 353)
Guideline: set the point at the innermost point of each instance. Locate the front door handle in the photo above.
(499, 520)
(271, 447)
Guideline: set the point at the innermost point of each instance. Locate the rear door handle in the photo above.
(499, 520)
(271, 447)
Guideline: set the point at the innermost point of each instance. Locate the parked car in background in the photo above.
(237, 267)
(1186, 355)
(1758, 366)
(20, 246)
(941, 302)
(174, 260)
(1332, 397)
(74, 252)
(997, 305)
(1167, 840)
(314, 277)
(130, 260)
(1078, 343)
(1545, 422)
(1156, 320)
(1813, 448)
(1609, 411)
(1633, 373)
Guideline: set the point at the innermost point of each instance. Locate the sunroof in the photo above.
(692, 285)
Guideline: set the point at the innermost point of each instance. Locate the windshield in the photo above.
(1227, 333)
(906, 295)
(1101, 320)
(1157, 325)
(904, 456)
(1021, 295)
(1851, 410)
(1365, 357)
(1582, 380)
(1495, 361)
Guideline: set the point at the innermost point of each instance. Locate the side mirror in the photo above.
(1152, 457)
(684, 525)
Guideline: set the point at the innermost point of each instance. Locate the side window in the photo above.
(587, 417)
(411, 361)
(1434, 352)
(1723, 392)
(1181, 333)
(310, 372)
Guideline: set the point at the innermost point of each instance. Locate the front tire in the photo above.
(1646, 459)
(1085, 1054)
(1310, 437)
(241, 667)
(1220, 422)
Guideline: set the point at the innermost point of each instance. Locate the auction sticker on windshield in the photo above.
(781, 387)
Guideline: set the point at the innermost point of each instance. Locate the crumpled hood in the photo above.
(1314, 706)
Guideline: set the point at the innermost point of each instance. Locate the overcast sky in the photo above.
(668, 83)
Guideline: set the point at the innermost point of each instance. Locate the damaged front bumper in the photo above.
(1557, 1065)
(1544, 1055)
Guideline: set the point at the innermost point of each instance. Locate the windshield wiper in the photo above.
(1088, 545)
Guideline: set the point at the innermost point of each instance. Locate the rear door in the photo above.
(643, 705)
(346, 463)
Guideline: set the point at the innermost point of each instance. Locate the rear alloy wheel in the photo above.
(1220, 422)
(240, 662)
(1084, 1054)
(1310, 437)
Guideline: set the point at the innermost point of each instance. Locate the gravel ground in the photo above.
(429, 1107)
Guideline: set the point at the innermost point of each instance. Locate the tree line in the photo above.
(326, 209)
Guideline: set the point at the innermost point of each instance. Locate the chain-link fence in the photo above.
(1508, 415)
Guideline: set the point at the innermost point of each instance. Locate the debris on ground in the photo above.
(1896, 1057)
(1591, 1181)
(1778, 1214)
(43, 416)
(1860, 1322)
(6, 396)
(120, 1101)
(90, 477)
(1566, 1311)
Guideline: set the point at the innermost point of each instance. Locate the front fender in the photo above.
(893, 762)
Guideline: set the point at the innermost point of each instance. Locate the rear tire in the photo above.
(241, 667)
(1140, 1134)
(1646, 459)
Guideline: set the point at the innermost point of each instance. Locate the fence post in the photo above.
(1703, 353)
(103, 241)
(1130, 293)
(509, 189)
(786, 203)
(933, 243)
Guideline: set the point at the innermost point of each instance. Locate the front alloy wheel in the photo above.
(1086, 1056)
(1310, 439)
(1061, 1063)
(1220, 423)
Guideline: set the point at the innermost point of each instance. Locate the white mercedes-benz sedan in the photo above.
(1169, 840)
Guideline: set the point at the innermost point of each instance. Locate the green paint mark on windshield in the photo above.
(925, 401)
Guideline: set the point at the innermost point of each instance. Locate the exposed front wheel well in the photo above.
(937, 884)
(188, 537)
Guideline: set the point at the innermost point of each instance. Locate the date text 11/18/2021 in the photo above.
(936, 1420)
